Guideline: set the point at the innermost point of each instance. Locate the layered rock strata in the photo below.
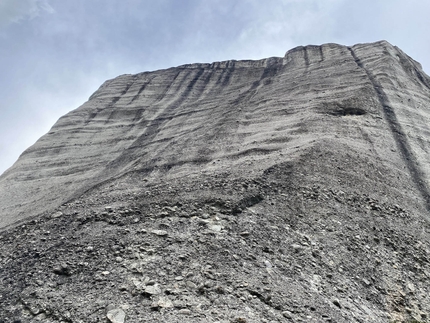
(285, 189)
(190, 117)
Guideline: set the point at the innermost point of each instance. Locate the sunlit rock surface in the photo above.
(284, 189)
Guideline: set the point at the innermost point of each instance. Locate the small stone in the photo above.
(171, 209)
(184, 311)
(337, 303)
(34, 310)
(41, 317)
(63, 269)
(178, 304)
(160, 233)
(296, 247)
(116, 315)
(162, 302)
(216, 227)
(410, 288)
(209, 284)
(191, 285)
(108, 209)
(57, 215)
(244, 233)
(152, 290)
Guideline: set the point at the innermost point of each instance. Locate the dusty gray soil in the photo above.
(290, 189)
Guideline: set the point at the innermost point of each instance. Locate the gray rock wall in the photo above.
(221, 115)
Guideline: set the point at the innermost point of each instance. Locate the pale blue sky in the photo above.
(55, 53)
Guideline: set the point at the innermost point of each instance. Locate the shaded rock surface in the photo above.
(290, 189)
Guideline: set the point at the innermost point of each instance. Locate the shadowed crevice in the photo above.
(142, 88)
(227, 73)
(321, 53)
(398, 134)
(424, 80)
(306, 56)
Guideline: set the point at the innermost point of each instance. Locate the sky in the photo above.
(55, 53)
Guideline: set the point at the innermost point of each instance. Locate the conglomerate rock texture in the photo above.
(290, 189)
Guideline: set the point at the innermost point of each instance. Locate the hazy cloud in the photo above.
(16, 10)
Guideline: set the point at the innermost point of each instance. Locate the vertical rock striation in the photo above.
(291, 188)
(195, 114)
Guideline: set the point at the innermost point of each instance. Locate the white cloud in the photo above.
(16, 10)
(276, 29)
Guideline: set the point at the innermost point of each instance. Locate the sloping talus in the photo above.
(289, 189)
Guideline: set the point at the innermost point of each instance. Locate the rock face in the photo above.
(286, 189)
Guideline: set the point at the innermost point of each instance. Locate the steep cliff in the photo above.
(284, 189)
